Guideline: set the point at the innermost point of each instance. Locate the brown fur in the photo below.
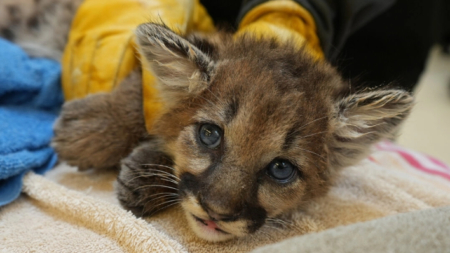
(271, 101)
(147, 180)
(101, 129)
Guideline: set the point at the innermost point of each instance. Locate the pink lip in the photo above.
(209, 224)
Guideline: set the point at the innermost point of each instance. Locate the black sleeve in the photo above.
(336, 20)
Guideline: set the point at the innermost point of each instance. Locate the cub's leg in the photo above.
(101, 129)
(146, 183)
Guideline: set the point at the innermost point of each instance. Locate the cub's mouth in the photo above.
(209, 224)
(208, 229)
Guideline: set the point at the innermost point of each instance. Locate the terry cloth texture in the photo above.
(30, 97)
(74, 211)
(421, 231)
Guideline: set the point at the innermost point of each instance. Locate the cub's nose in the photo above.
(215, 215)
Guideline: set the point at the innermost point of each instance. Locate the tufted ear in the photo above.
(180, 67)
(363, 119)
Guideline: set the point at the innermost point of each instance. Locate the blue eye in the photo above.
(281, 170)
(210, 135)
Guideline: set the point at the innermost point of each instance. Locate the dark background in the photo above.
(392, 47)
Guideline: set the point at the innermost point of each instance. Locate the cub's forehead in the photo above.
(258, 106)
(254, 78)
(260, 110)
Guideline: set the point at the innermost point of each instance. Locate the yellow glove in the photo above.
(284, 20)
(101, 49)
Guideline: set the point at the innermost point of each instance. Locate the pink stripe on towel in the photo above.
(419, 161)
(437, 162)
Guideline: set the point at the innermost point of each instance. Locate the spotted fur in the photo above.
(271, 101)
(40, 27)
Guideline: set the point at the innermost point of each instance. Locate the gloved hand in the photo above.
(284, 20)
(101, 50)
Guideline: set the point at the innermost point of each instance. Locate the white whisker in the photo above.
(162, 176)
(164, 207)
(286, 224)
(303, 137)
(150, 186)
(169, 180)
(164, 193)
(313, 122)
(300, 128)
(160, 165)
(164, 196)
(173, 202)
(210, 102)
(309, 151)
(163, 172)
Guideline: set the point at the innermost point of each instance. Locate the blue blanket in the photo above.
(30, 99)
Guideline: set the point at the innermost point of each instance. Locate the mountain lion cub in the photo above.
(251, 131)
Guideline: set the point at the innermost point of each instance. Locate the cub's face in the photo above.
(251, 148)
(255, 129)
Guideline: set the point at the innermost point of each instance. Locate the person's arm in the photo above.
(334, 20)
(101, 51)
(283, 21)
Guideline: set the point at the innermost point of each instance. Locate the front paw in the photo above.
(146, 183)
(87, 134)
(101, 129)
(75, 138)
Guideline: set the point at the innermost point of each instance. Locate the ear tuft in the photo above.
(176, 63)
(363, 119)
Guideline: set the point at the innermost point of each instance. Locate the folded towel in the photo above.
(30, 97)
(420, 231)
(73, 211)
